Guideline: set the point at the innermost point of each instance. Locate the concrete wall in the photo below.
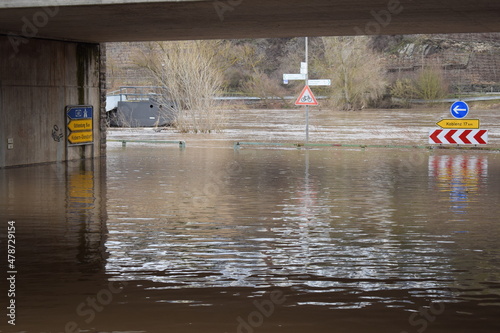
(143, 20)
(44, 3)
(37, 81)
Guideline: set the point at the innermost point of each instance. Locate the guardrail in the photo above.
(491, 97)
(238, 145)
(182, 144)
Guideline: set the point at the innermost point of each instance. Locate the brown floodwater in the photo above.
(154, 238)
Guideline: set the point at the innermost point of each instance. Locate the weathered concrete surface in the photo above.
(44, 3)
(174, 20)
(36, 84)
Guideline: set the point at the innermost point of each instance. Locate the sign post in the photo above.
(459, 110)
(306, 96)
(454, 123)
(290, 77)
(458, 136)
(306, 70)
(320, 83)
(458, 131)
(79, 124)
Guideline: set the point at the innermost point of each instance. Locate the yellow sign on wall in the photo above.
(79, 124)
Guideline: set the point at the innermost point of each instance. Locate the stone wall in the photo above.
(122, 69)
(468, 62)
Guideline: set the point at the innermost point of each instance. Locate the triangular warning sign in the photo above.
(306, 97)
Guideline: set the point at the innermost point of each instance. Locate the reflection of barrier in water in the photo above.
(460, 176)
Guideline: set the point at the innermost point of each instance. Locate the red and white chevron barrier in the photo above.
(458, 136)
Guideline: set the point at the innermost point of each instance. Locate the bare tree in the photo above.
(267, 89)
(356, 71)
(191, 74)
(249, 63)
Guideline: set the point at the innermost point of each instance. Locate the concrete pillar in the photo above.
(38, 79)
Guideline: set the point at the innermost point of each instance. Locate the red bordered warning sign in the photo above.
(306, 97)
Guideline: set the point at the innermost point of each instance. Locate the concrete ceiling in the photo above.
(142, 20)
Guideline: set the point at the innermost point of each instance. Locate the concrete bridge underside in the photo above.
(51, 52)
(140, 20)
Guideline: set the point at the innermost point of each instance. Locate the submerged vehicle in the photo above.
(139, 107)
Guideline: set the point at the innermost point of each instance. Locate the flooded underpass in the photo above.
(210, 239)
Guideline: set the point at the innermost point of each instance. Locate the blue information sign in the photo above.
(80, 112)
(459, 110)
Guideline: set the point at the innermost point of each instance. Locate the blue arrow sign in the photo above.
(459, 110)
(80, 112)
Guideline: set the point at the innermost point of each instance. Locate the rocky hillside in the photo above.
(469, 62)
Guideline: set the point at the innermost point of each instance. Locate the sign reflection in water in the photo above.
(460, 176)
(356, 241)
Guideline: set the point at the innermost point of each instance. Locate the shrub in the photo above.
(262, 86)
(191, 75)
(404, 89)
(430, 84)
(357, 72)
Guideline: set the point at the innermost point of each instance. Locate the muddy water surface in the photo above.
(209, 239)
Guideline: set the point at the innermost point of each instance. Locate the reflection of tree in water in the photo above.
(277, 219)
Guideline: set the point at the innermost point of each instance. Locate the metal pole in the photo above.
(307, 83)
